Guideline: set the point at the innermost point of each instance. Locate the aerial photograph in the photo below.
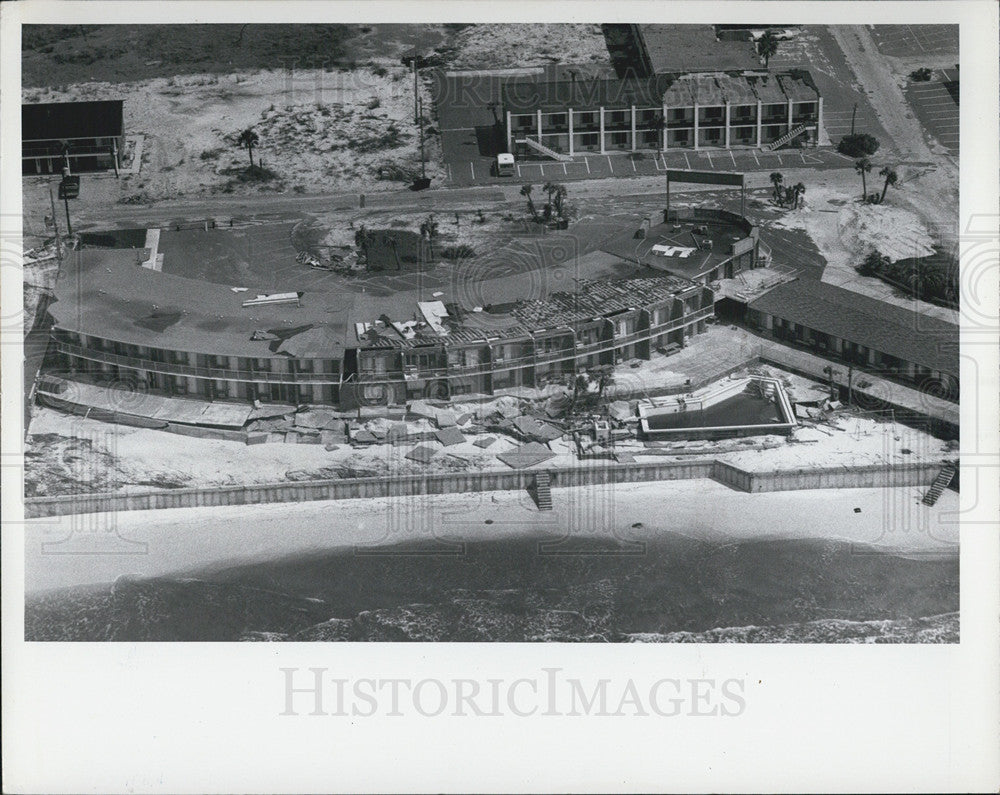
(606, 333)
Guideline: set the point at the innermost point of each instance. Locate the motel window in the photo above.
(588, 118)
(305, 394)
(590, 139)
(713, 135)
(304, 365)
(264, 365)
(557, 120)
(678, 114)
(682, 136)
(619, 139)
(221, 388)
(741, 112)
(618, 117)
(650, 137)
(647, 116)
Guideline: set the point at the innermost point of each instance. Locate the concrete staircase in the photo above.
(531, 143)
(784, 139)
(941, 482)
(543, 491)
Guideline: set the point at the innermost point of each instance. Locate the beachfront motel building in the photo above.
(575, 110)
(115, 322)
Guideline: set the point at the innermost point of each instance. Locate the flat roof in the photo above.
(679, 245)
(887, 328)
(105, 293)
(694, 48)
(46, 121)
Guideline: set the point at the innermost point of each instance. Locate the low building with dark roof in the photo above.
(884, 338)
(90, 134)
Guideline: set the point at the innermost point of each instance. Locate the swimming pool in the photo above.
(740, 407)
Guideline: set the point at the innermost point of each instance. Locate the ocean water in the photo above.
(673, 589)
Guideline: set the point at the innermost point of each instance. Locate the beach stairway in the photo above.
(543, 491)
(542, 149)
(941, 482)
(784, 139)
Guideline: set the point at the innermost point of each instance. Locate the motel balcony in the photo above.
(565, 354)
(193, 371)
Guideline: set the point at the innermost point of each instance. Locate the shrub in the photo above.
(873, 265)
(921, 75)
(458, 252)
(858, 145)
(375, 102)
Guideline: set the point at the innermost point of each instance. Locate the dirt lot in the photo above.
(507, 46)
(318, 130)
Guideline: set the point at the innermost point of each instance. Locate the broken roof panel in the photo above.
(527, 455)
(422, 453)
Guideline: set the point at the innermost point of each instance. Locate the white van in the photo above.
(505, 165)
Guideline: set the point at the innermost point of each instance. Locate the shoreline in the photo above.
(95, 549)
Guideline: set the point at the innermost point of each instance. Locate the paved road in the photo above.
(278, 207)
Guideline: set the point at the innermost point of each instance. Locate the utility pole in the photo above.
(854, 113)
(416, 88)
(69, 226)
(423, 163)
(55, 224)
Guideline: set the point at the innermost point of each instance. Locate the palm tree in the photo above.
(767, 46)
(776, 179)
(558, 197)
(891, 178)
(248, 140)
(605, 377)
(526, 192)
(799, 189)
(549, 188)
(428, 231)
(580, 385)
(863, 166)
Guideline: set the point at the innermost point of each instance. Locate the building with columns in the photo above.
(684, 90)
(594, 111)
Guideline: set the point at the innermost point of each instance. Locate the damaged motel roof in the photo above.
(105, 293)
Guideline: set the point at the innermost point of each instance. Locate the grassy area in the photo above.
(66, 54)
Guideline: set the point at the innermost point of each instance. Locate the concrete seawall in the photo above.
(876, 476)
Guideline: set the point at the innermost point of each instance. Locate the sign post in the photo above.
(707, 178)
(69, 188)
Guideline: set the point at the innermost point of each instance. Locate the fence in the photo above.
(876, 476)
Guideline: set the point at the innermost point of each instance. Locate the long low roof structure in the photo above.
(887, 328)
(106, 293)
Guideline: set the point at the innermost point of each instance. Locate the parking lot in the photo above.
(935, 103)
(903, 41)
(646, 164)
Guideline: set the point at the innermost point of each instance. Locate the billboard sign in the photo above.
(705, 177)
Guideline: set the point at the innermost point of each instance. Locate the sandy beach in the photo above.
(97, 548)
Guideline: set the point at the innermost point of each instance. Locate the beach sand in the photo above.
(97, 548)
